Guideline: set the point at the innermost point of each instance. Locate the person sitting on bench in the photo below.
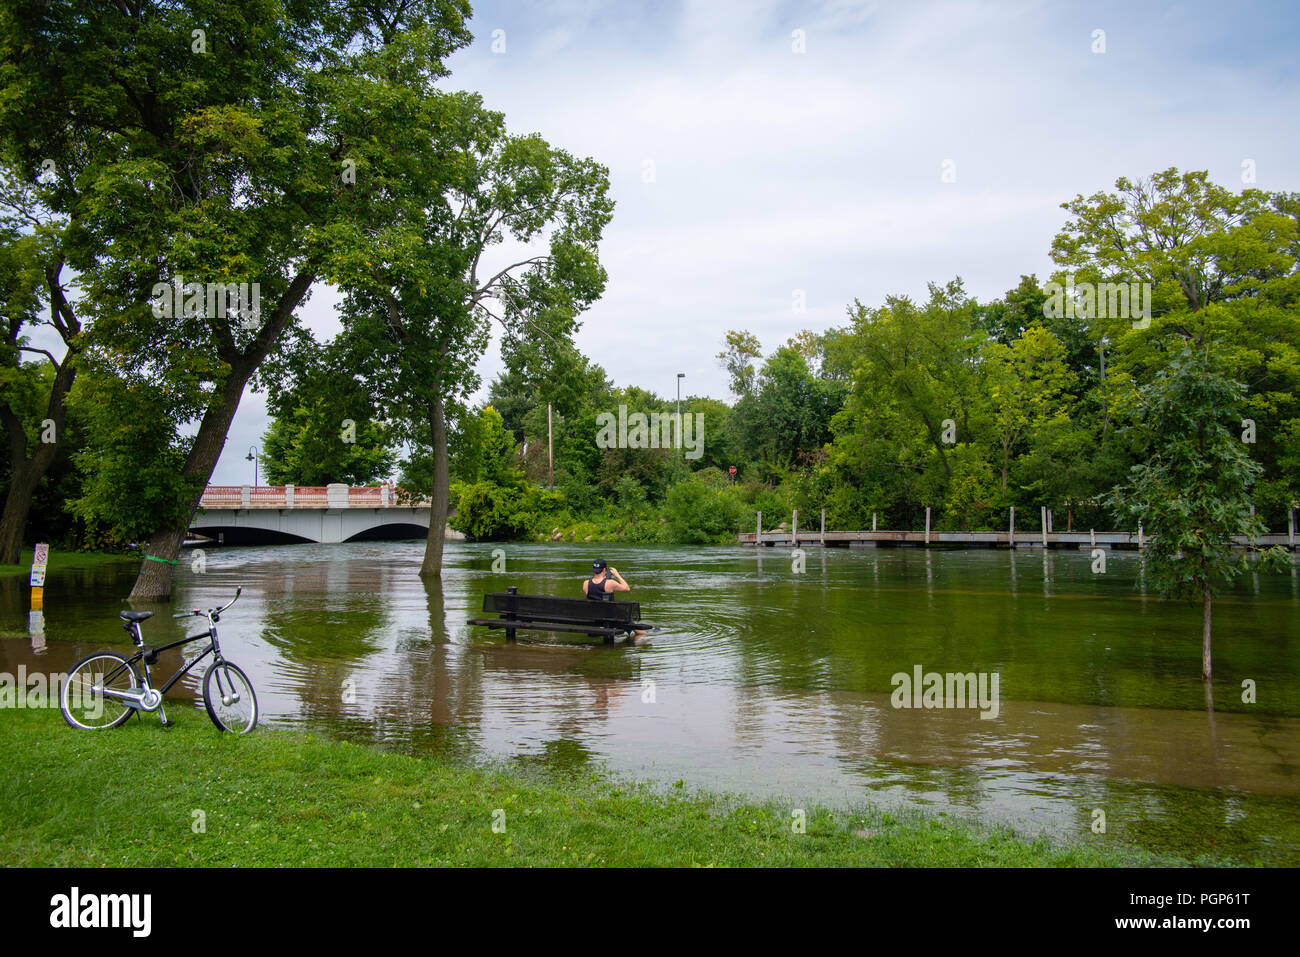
(604, 581)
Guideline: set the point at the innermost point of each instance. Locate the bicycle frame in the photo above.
(148, 698)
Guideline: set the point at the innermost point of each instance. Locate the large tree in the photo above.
(423, 289)
(33, 396)
(207, 143)
(1223, 269)
(1026, 382)
(916, 394)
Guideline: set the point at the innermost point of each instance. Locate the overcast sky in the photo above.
(752, 165)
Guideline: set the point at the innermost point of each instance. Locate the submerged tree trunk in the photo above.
(1205, 633)
(154, 582)
(440, 499)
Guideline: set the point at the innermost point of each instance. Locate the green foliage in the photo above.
(486, 511)
(131, 462)
(325, 427)
(740, 349)
(791, 412)
(702, 510)
(1192, 489)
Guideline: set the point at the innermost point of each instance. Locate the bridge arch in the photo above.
(286, 513)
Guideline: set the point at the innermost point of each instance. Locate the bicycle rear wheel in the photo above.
(229, 697)
(82, 699)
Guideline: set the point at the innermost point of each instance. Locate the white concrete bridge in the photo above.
(271, 514)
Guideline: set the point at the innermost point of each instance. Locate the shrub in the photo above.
(698, 514)
(486, 511)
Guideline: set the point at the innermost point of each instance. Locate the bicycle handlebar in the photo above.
(213, 611)
(238, 589)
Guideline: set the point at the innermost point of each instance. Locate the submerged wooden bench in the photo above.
(548, 613)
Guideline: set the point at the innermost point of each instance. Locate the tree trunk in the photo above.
(1205, 633)
(28, 472)
(22, 486)
(439, 506)
(154, 583)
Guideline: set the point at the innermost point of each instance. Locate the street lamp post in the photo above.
(252, 457)
(680, 445)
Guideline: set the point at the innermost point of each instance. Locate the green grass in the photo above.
(64, 560)
(130, 796)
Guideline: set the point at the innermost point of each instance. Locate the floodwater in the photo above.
(771, 682)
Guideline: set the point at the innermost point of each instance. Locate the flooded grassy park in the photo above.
(769, 682)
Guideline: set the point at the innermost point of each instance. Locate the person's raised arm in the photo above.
(619, 584)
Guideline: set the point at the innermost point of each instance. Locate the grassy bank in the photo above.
(65, 560)
(132, 796)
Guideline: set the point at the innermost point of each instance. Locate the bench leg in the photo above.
(510, 634)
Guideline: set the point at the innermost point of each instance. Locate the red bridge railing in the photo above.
(304, 496)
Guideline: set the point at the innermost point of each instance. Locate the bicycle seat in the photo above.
(134, 615)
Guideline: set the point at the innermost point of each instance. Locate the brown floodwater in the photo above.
(771, 682)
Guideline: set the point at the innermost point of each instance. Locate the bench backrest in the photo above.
(550, 608)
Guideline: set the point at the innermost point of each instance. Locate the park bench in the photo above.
(548, 613)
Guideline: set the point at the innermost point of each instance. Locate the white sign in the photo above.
(41, 555)
(38, 576)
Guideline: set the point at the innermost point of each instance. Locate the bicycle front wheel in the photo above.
(229, 698)
(82, 699)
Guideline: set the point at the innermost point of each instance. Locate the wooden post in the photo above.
(927, 525)
(758, 535)
(1042, 515)
(1092, 536)
(794, 531)
(1011, 528)
(1141, 543)
(1290, 528)
(823, 527)
(510, 615)
(1049, 520)
(873, 521)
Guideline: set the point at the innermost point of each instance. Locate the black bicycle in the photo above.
(104, 689)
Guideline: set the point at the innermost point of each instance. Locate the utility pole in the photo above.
(680, 445)
(1105, 411)
(550, 449)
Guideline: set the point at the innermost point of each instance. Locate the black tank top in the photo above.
(596, 590)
